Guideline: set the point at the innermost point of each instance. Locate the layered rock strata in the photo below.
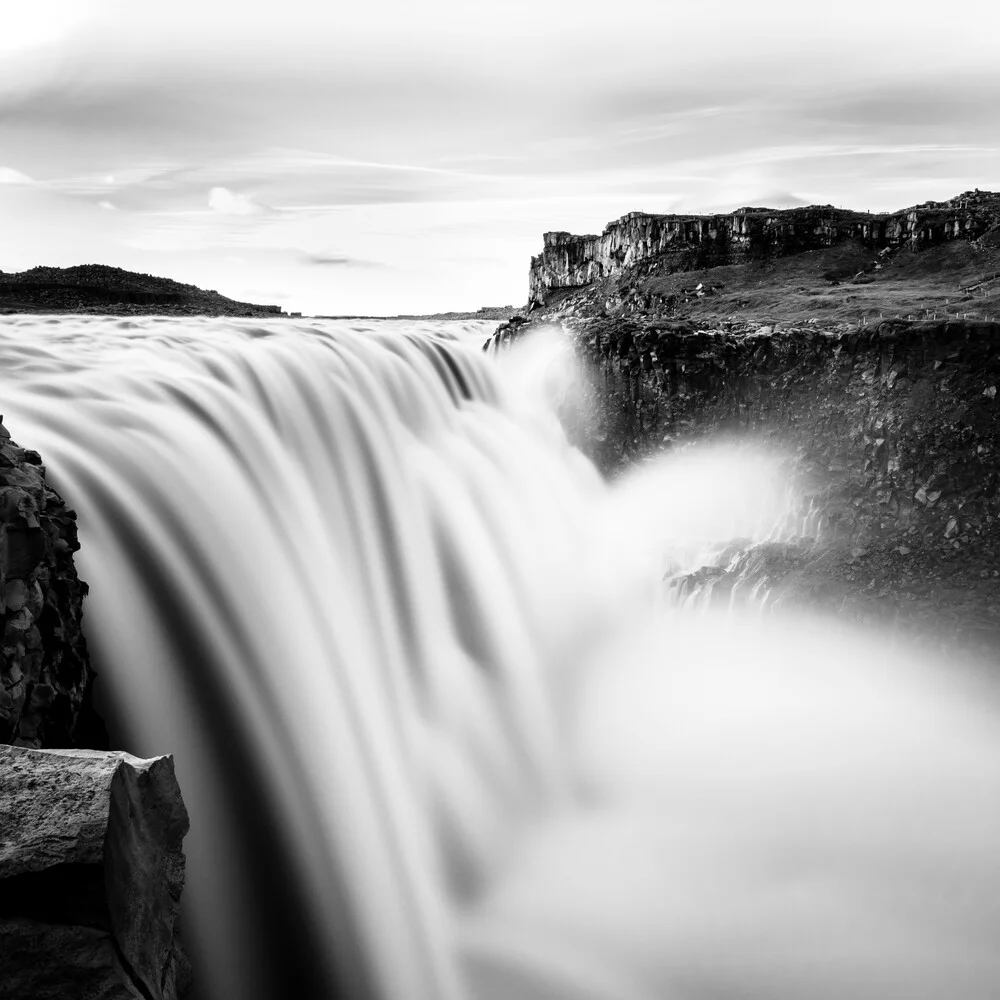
(640, 241)
(91, 873)
(45, 677)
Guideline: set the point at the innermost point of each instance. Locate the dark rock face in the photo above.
(897, 426)
(892, 433)
(45, 678)
(91, 873)
(639, 241)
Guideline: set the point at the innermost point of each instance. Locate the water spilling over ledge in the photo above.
(439, 733)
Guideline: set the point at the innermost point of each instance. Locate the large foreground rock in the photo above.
(91, 872)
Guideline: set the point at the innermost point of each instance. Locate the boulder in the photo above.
(91, 872)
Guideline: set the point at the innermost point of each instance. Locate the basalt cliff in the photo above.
(644, 243)
(45, 676)
(865, 348)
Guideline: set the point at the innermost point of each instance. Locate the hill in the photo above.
(97, 288)
(483, 313)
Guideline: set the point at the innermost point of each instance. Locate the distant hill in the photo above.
(97, 288)
(493, 313)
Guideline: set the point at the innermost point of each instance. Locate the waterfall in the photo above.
(439, 736)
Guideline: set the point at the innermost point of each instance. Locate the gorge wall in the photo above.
(892, 430)
(45, 676)
(641, 242)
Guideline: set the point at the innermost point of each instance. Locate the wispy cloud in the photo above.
(8, 175)
(328, 259)
(325, 143)
(227, 202)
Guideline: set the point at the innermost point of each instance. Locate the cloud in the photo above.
(107, 205)
(341, 142)
(323, 259)
(10, 176)
(223, 200)
(28, 27)
(933, 106)
(761, 199)
(327, 259)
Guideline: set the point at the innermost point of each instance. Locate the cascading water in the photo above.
(438, 734)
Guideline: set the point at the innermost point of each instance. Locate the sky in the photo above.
(390, 156)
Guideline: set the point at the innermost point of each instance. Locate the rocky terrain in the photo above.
(96, 288)
(866, 348)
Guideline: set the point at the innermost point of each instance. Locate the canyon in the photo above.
(865, 350)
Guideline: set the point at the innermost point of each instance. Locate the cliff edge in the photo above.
(647, 244)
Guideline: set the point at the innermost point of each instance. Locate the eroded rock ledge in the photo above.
(91, 873)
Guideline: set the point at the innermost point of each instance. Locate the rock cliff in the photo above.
(664, 244)
(45, 676)
(893, 431)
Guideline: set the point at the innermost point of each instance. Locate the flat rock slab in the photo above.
(91, 872)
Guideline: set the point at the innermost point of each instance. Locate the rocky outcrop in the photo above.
(91, 873)
(892, 432)
(896, 428)
(45, 677)
(669, 243)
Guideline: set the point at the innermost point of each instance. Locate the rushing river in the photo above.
(441, 731)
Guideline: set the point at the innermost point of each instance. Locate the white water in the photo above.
(432, 718)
